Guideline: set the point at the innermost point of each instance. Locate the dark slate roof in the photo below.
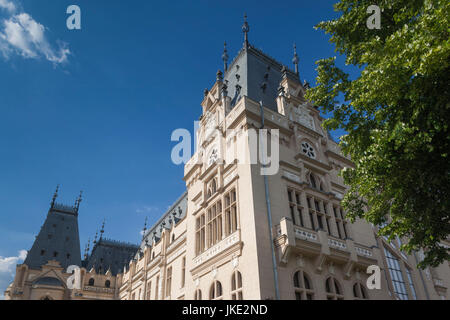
(111, 255)
(175, 213)
(57, 240)
(249, 70)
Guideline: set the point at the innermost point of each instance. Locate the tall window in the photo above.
(295, 208)
(200, 234)
(215, 291)
(149, 290)
(359, 292)
(183, 272)
(91, 281)
(230, 212)
(169, 282)
(157, 288)
(341, 224)
(236, 286)
(107, 284)
(215, 223)
(303, 286)
(395, 271)
(198, 294)
(333, 289)
(317, 208)
(411, 284)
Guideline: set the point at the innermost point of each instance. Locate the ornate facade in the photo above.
(223, 248)
(238, 234)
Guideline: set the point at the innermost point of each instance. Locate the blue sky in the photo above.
(94, 109)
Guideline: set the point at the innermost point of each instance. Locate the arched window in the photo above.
(215, 292)
(91, 281)
(107, 284)
(236, 286)
(333, 289)
(359, 292)
(303, 286)
(198, 294)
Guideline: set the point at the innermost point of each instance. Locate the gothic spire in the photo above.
(55, 195)
(245, 29)
(102, 230)
(78, 201)
(225, 57)
(145, 229)
(95, 238)
(295, 60)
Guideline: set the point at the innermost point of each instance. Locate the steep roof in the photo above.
(175, 213)
(58, 239)
(250, 72)
(110, 255)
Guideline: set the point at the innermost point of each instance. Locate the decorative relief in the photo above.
(305, 235)
(218, 248)
(210, 124)
(235, 262)
(229, 177)
(363, 252)
(300, 261)
(337, 244)
(302, 116)
(292, 176)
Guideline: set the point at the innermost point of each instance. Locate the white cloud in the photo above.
(7, 5)
(22, 35)
(8, 269)
(147, 209)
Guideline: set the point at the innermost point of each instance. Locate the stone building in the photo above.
(237, 233)
(282, 236)
(44, 274)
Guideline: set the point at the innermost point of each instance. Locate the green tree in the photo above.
(396, 114)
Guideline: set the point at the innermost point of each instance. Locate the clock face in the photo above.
(308, 150)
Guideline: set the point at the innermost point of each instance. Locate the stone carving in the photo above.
(302, 116)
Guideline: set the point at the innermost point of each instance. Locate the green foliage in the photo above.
(397, 115)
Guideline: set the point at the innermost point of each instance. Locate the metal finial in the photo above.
(245, 29)
(78, 201)
(295, 60)
(95, 238)
(219, 75)
(55, 195)
(102, 230)
(225, 57)
(145, 228)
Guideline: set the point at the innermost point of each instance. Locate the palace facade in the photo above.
(224, 247)
(239, 234)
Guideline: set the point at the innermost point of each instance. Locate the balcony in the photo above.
(221, 250)
(320, 246)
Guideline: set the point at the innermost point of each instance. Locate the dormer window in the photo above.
(308, 150)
